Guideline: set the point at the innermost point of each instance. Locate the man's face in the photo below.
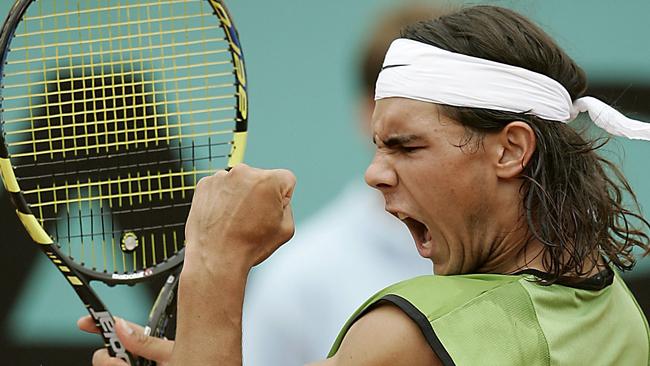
(438, 189)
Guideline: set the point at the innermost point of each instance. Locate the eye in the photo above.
(410, 149)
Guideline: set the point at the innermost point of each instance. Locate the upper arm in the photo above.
(384, 336)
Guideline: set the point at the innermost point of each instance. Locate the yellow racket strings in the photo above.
(113, 111)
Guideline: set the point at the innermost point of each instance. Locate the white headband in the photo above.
(419, 71)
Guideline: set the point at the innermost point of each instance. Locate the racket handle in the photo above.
(104, 321)
(106, 324)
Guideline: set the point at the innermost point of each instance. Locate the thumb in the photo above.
(136, 342)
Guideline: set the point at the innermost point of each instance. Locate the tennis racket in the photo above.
(111, 112)
(161, 322)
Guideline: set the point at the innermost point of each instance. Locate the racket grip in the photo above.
(106, 324)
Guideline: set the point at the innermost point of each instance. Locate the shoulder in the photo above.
(384, 336)
(429, 302)
(436, 296)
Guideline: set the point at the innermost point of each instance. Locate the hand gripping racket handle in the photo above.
(104, 322)
(103, 318)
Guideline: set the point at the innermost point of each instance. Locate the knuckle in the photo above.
(220, 173)
(142, 339)
(285, 176)
(202, 182)
(289, 174)
(238, 169)
(291, 179)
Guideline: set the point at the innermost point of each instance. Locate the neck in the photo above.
(513, 252)
(519, 250)
(505, 234)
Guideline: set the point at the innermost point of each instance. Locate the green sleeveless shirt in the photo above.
(502, 320)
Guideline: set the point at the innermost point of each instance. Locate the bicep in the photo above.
(384, 336)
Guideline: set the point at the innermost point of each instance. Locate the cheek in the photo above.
(454, 200)
(466, 179)
(453, 183)
(431, 187)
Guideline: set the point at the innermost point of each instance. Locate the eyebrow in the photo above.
(398, 140)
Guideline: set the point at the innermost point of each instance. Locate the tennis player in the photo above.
(522, 219)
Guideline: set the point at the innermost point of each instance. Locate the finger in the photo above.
(101, 358)
(288, 224)
(287, 182)
(136, 342)
(87, 324)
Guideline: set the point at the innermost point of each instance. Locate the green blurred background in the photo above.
(301, 63)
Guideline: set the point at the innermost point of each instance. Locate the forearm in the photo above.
(210, 315)
(219, 254)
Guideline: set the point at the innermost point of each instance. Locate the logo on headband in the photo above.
(391, 66)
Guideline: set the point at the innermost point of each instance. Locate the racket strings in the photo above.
(78, 119)
(129, 187)
(173, 150)
(112, 113)
(151, 210)
(100, 10)
(114, 63)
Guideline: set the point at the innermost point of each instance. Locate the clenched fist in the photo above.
(240, 216)
(237, 220)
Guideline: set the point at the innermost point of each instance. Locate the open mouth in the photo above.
(420, 234)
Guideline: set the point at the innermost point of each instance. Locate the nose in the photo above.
(380, 174)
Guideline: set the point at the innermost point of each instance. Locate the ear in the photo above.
(516, 145)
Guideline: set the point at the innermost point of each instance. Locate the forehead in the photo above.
(396, 116)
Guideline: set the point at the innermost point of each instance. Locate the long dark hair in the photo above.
(573, 198)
